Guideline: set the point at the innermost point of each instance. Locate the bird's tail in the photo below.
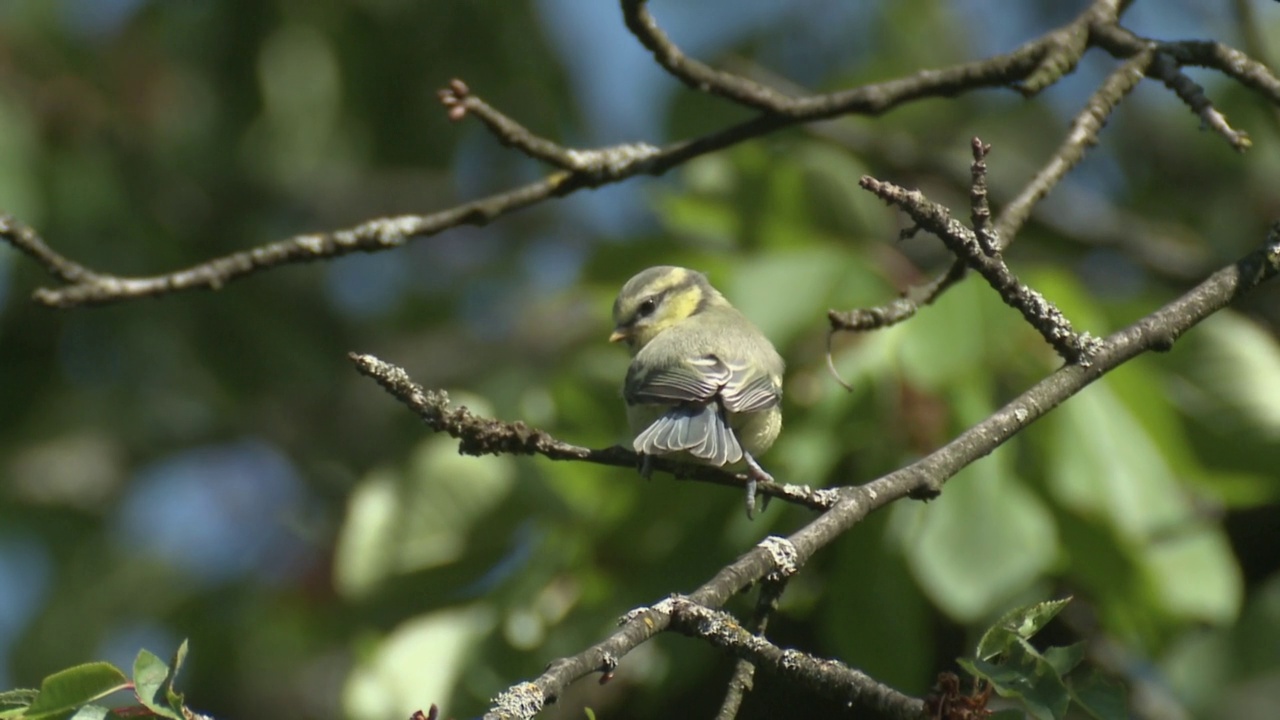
(701, 431)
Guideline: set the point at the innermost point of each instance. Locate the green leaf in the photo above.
(1064, 659)
(1235, 363)
(400, 522)
(174, 697)
(1102, 463)
(1027, 676)
(1020, 623)
(64, 691)
(941, 347)
(1099, 696)
(150, 679)
(1195, 574)
(424, 657)
(979, 544)
(765, 289)
(709, 221)
(896, 649)
(1104, 467)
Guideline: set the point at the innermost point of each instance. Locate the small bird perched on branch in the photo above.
(704, 384)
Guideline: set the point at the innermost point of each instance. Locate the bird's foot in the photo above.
(646, 466)
(755, 475)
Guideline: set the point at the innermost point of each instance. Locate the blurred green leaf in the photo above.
(1234, 364)
(951, 341)
(421, 518)
(1195, 575)
(418, 662)
(175, 698)
(769, 290)
(1103, 465)
(893, 649)
(981, 542)
(20, 697)
(708, 221)
(1065, 659)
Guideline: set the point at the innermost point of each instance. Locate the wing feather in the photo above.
(699, 430)
(741, 388)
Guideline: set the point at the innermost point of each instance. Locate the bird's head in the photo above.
(658, 298)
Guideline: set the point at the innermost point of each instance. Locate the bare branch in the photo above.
(874, 318)
(91, 288)
(1083, 135)
(695, 74)
(1069, 43)
(1039, 312)
(1195, 53)
(744, 669)
(601, 165)
(579, 169)
(1166, 70)
(829, 678)
(484, 436)
(979, 207)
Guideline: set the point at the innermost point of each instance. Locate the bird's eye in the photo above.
(647, 307)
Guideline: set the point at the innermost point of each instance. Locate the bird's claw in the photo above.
(646, 466)
(755, 475)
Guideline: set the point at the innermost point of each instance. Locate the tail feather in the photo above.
(700, 431)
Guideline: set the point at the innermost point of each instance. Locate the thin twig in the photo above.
(979, 205)
(1041, 314)
(602, 165)
(1165, 69)
(695, 74)
(579, 169)
(1082, 136)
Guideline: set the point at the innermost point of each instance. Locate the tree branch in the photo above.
(578, 169)
(1041, 314)
(829, 678)
(744, 669)
(484, 436)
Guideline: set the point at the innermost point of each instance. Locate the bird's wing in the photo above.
(740, 386)
(749, 389)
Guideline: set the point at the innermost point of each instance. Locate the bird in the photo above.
(704, 384)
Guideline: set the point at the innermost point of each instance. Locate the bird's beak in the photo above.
(619, 335)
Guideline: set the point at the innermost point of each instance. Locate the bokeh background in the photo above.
(209, 466)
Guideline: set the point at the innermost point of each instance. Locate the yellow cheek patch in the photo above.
(682, 305)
